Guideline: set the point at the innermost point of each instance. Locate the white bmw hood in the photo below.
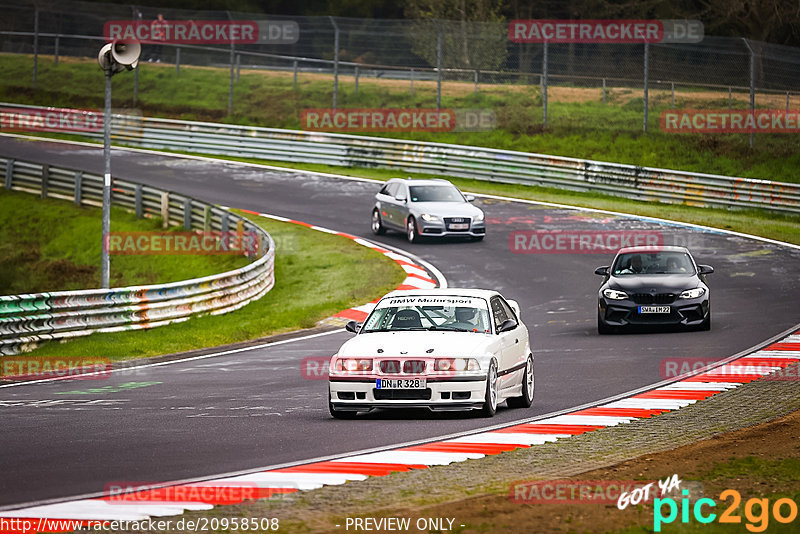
(418, 344)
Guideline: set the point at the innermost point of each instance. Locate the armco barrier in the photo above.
(630, 181)
(28, 320)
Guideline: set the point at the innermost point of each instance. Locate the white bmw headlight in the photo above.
(427, 217)
(693, 293)
(613, 294)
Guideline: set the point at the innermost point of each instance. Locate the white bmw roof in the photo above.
(446, 292)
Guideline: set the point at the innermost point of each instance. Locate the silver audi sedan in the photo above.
(426, 208)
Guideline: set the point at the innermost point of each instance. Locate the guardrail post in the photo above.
(137, 201)
(9, 173)
(356, 79)
(187, 214)
(45, 179)
(178, 60)
(165, 209)
(55, 52)
(78, 188)
(225, 223)
(206, 218)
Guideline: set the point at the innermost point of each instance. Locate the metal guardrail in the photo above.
(629, 181)
(28, 320)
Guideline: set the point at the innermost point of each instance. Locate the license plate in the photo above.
(654, 309)
(400, 383)
(459, 226)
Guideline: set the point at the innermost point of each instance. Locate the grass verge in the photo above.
(316, 274)
(51, 245)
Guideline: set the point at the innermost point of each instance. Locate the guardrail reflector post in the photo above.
(9, 172)
(45, 179)
(165, 209)
(137, 201)
(78, 188)
(226, 221)
(206, 218)
(187, 214)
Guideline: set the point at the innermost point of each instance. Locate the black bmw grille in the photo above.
(650, 298)
(390, 366)
(402, 394)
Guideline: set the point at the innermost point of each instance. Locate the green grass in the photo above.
(50, 245)
(317, 275)
(584, 129)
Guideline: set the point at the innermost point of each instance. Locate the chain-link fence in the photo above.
(448, 59)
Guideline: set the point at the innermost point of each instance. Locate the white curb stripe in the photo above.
(508, 438)
(412, 457)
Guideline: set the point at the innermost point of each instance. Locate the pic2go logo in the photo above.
(756, 511)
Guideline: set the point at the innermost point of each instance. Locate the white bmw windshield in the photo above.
(429, 313)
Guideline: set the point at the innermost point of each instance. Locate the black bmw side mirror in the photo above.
(705, 269)
(508, 324)
(352, 326)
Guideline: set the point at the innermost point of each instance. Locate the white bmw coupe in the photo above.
(442, 349)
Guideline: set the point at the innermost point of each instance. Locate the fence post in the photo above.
(439, 71)
(55, 51)
(476, 81)
(78, 188)
(45, 179)
(294, 80)
(356, 79)
(787, 102)
(230, 88)
(137, 201)
(646, 72)
(238, 66)
(335, 63)
(135, 84)
(730, 97)
(543, 80)
(187, 214)
(412, 81)
(604, 90)
(9, 173)
(752, 84)
(165, 209)
(206, 218)
(672, 100)
(35, 44)
(178, 60)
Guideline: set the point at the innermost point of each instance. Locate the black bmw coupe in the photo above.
(648, 286)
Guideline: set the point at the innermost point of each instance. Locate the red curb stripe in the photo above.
(412, 275)
(534, 428)
(483, 448)
(783, 346)
(250, 212)
(356, 315)
(358, 468)
(197, 493)
(705, 377)
(675, 394)
(301, 223)
(403, 287)
(620, 412)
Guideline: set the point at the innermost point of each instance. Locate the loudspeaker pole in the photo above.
(105, 265)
